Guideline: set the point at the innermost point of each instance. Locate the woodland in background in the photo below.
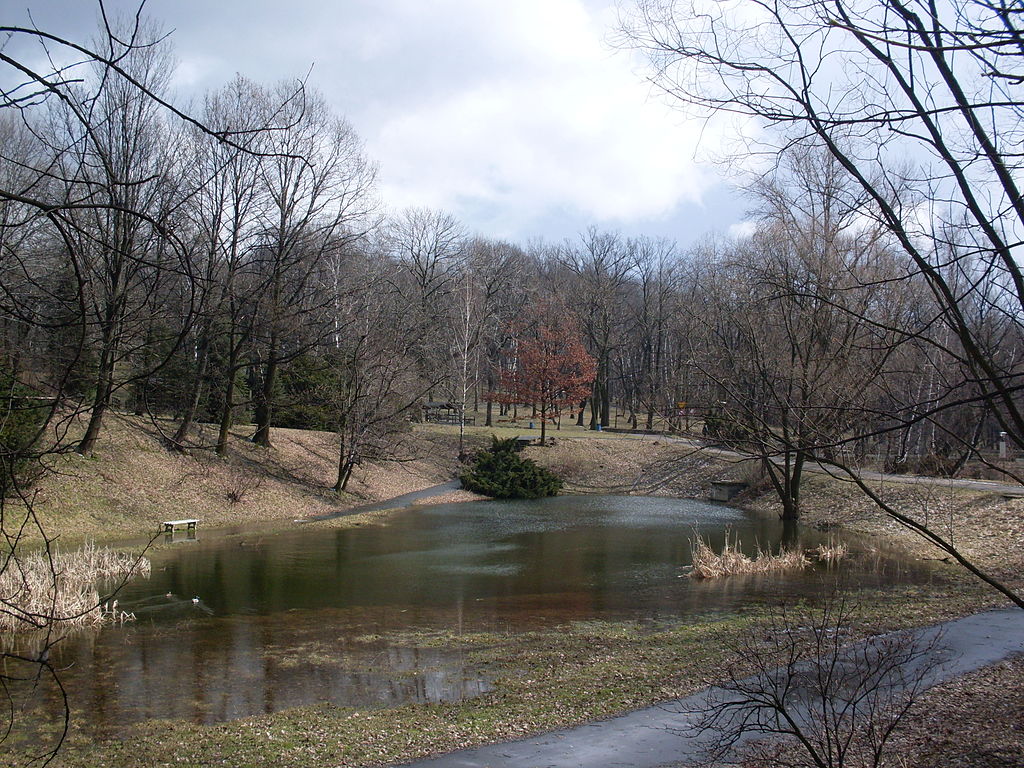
(234, 266)
(231, 263)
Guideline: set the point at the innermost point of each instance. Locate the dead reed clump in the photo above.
(831, 553)
(40, 591)
(708, 564)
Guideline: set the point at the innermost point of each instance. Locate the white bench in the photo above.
(170, 525)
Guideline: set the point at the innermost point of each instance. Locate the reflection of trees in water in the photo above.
(311, 616)
(243, 668)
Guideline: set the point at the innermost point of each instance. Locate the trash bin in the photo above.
(598, 427)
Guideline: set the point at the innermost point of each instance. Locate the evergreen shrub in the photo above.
(502, 473)
(21, 416)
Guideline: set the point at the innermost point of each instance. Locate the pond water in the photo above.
(234, 625)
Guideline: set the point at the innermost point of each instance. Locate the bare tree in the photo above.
(87, 249)
(599, 266)
(655, 286)
(320, 186)
(374, 361)
(797, 325)
(225, 203)
(483, 300)
(919, 103)
(428, 245)
(812, 696)
(118, 169)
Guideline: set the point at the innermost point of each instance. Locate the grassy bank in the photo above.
(132, 482)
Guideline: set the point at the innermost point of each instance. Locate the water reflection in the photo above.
(311, 615)
(239, 667)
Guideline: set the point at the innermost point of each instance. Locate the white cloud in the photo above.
(513, 115)
(547, 117)
(742, 229)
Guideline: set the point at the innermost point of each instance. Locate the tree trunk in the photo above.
(92, 432)
(101, 401)
(543, 420)
(786, 481)
(462, 427)
(140, 396)
(264, 404)
(227, 408)
(192, 404)
(345, 463)
(344, 473)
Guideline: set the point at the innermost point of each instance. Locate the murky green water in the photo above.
(229, 626)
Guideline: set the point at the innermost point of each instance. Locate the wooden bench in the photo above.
(170, 525)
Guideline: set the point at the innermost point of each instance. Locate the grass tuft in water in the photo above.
(56, 589)
(832, 552)
(708, 564)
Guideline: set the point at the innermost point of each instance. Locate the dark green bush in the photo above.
(502, 473)
(308, 392)
(21, 416)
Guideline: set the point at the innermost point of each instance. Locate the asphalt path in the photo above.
(666, 735)
(1011, 490)
(395, 502)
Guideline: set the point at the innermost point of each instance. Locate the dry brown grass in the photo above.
(59, 590)
(133, 482)
(973, 721)
(832, 552)
(632, 464)
(708, 564)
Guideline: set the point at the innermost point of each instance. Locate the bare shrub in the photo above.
(51, 589)
(240, 485)
(798, 693)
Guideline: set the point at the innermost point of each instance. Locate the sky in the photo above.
(517, 116)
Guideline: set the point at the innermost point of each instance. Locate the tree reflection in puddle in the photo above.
(370, 617)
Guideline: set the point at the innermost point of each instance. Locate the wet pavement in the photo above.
(666, 735)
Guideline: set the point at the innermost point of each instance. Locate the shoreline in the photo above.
(569, 675)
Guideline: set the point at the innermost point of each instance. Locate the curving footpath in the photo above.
(663, 735)
(395, 502)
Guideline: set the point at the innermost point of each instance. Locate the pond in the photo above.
(235, 625)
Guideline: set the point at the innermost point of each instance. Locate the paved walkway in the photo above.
(1013, 490)
(395, 502)
(663, 735)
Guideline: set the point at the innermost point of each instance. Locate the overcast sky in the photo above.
(515, 115)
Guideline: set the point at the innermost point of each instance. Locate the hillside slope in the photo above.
(132, 482)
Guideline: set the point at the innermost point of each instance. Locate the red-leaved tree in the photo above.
(545, 365)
